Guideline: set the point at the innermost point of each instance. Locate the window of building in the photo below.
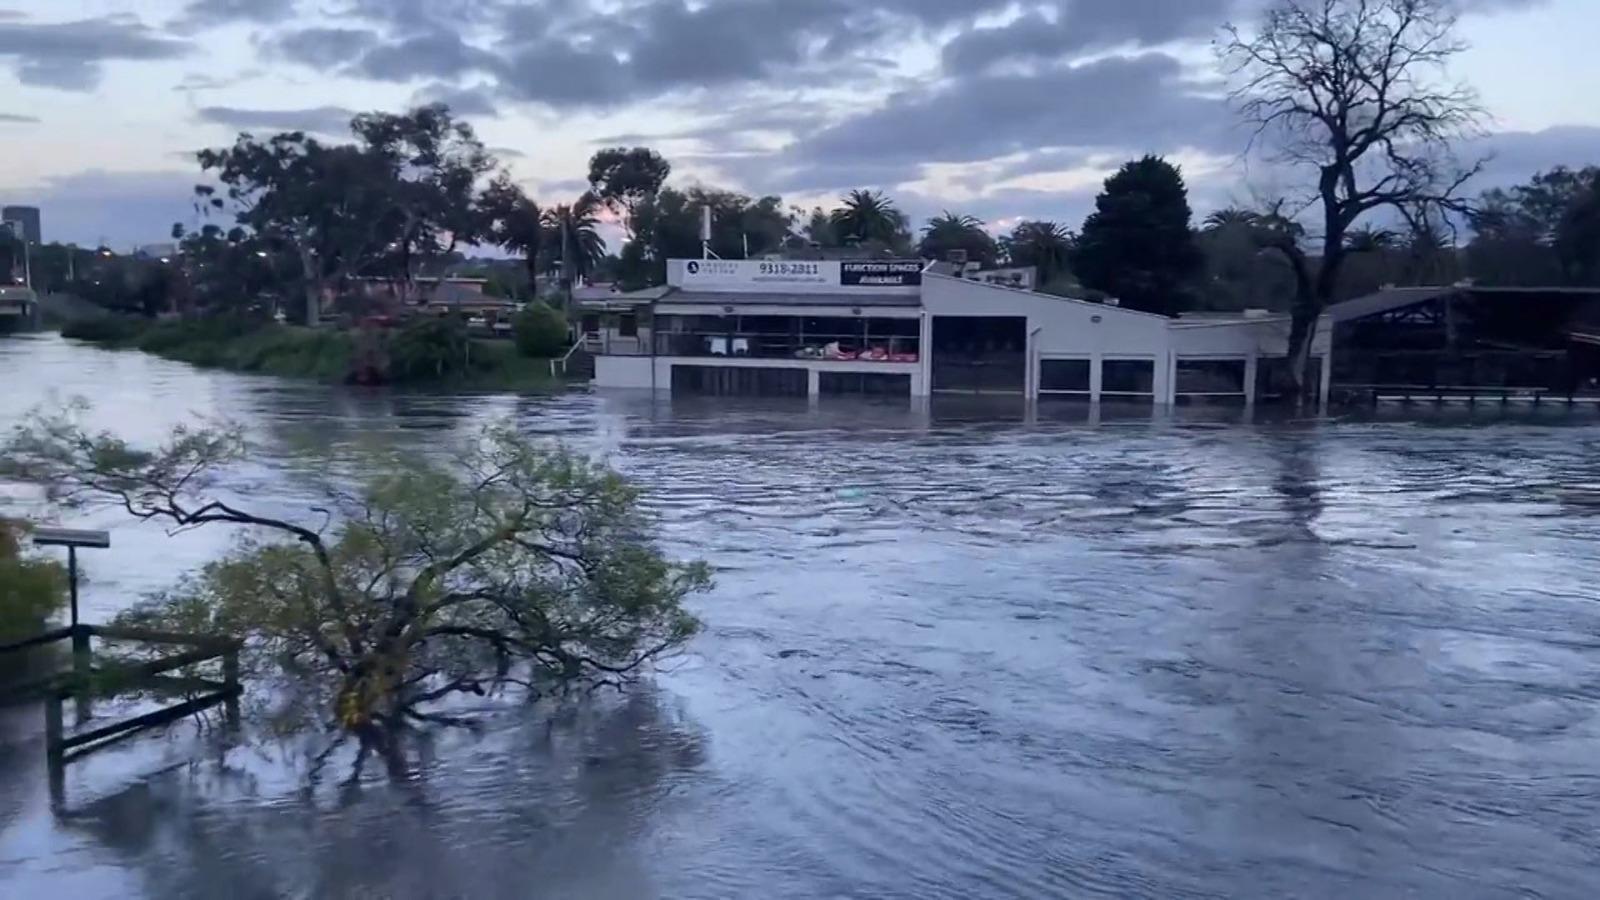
(1064, 376)
(1128, 378)
(1204, 380)
(628, 325)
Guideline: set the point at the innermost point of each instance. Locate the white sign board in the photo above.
(794, 276)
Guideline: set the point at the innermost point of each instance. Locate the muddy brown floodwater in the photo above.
(964, 653)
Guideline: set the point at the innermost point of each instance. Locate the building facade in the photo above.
(32, 229)
(898, 327)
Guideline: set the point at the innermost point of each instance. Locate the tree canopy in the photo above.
(868, 218)
(1137, 245)
(1044, 245)
(517, 565)
(948, 231)
(1354, 94)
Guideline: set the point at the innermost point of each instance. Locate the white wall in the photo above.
(631, 372)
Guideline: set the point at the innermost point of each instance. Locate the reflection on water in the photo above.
(972, 652)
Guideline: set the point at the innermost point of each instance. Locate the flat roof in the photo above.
(765, 298)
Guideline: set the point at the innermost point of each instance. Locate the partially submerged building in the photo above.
(901, 327)
(1467, 342)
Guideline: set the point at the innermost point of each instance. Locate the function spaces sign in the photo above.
(881, 273)
(801, 276)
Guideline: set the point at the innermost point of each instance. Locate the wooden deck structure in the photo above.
(85, 681)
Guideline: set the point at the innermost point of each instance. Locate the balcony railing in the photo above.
(758, 345)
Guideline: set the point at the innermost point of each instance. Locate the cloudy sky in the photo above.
(999, 108)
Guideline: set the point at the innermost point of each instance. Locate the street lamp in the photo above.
(72, 539)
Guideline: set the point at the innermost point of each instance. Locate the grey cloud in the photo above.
(1079, 25)
(322, 48)
(325, 120)
(122, 209)
(14, 119)
(211, 13)
(199, 81)
(68, 55)
(1117, 104)
(1512, 157)
(469, 101)
(508, 153)
(437, 54)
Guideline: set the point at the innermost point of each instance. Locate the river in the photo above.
(962, 654)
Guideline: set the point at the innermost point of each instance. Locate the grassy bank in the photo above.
(319, 354)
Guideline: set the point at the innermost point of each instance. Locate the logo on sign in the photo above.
(694, 267)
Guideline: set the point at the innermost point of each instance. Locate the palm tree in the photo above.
(1044, 245)
(1367, 239)
(1229, 217)
(948, 231)
(573, 231)
(869, 216)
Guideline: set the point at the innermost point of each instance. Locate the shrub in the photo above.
(541, 332)
(30, 589)
(103, 329)
(430, 348)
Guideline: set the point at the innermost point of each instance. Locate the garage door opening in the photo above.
(1128, 381)
(864, 384)
(980, 354)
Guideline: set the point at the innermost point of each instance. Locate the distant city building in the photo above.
(156, 251)
(29, 217)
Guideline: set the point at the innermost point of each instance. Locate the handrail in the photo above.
(567, 357)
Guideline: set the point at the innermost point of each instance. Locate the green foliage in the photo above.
(1532, 234)
(30, 589)
(624, 177)
(868, 218)
(948, 231)
(541, 332)
(667, 226)
(1137, 245)
(430, 348)
(115, 330)
(572, 238)
(519, 565)
(1044, 245)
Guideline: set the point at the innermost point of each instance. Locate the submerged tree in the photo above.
(1354, 92)
(517, 565)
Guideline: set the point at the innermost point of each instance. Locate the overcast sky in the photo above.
(998, 108)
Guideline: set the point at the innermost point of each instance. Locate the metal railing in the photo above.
(559, 366)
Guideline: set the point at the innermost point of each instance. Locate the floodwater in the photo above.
(961, 654)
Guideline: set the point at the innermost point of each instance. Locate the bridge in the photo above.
(19, 308)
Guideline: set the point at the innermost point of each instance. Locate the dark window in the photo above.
(1067, 376)
(1211, 376)
(869, 383)
(1128, 376)
(591, 324)
(980, 354)
(628, 325)
(733, 381)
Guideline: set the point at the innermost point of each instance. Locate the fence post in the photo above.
(82, 670)
(230, 679)
(53, 730)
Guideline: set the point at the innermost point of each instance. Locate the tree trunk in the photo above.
(313, 288)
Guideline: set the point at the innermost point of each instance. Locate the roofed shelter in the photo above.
(1467, 341)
